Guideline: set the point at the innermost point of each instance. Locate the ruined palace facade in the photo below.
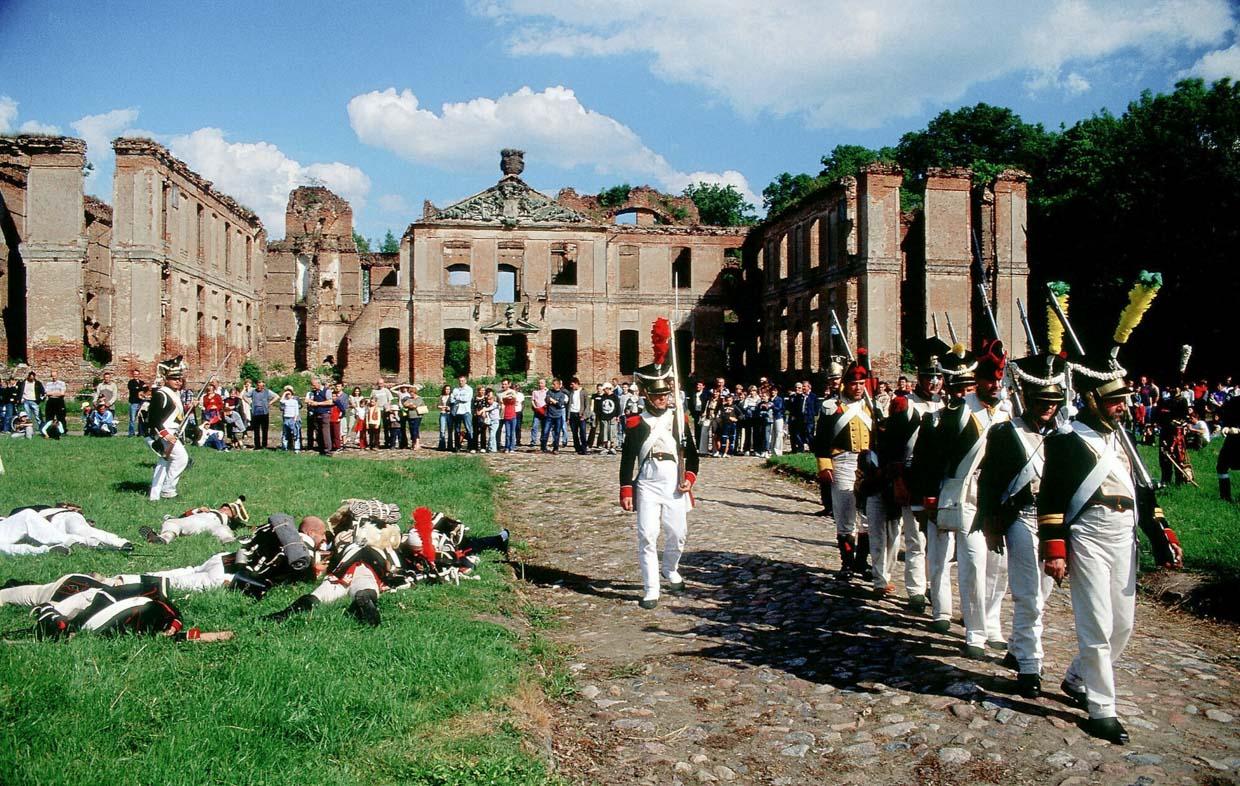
(507, 279)
(173, 266)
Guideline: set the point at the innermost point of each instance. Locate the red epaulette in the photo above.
(632, 420)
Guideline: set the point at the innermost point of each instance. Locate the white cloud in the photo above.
(98, 131)
(260, 176)
(1220, 63)
(553, 127)
(393, 203)
(8, 114)
(848, 64)
(8, 119)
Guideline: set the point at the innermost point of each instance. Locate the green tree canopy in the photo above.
(390, 244)
(363, 245)
(787, 189)
(979, 133)
(722, 206)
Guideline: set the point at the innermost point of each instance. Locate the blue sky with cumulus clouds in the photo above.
(391, 103)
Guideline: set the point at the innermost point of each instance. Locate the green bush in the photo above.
(251, 371)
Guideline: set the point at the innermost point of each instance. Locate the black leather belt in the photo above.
(662, 457)
(1117, 504)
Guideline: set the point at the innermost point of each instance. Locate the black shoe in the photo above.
(1109, 729)
(941, 626)
(973, 653)
(824, 512)
(917, 604)
(150, 535)
(59, 548)
(11, 583)
(1009, 661)
(363, 608)
(999, 646)
(648, 604)
(844, 574)
(675, 588)
(867, 574)
(1076, 696)
(249, 585)
(302, 604)
(1029, 685)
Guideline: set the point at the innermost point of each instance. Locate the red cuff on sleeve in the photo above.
(691, 477)
(931, 503)
(163, 432)
(626, 492)
(1054, 549)
(1171, 536)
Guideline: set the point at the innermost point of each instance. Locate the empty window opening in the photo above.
(389, 350)
(628, 351)
(506, 284)
(459, 275)
(682, 270)
(564, 264)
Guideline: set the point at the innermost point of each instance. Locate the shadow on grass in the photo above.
(131, 485)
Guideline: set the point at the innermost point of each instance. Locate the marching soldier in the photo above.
(1088, 511)
(843, 433)
(1229, 456)
(831, 392)
(909, 417)
(657, 443)
(947, 478)
(1008, 483)
(164, 418)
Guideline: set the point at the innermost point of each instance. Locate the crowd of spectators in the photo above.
(759, 419)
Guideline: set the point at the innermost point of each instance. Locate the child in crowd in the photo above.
(374, 421)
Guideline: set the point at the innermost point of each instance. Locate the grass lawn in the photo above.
(422, 700)
(1207, 526)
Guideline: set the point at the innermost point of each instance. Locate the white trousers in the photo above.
(940, 545)
(197, 578)
(776, 444)
(1103, 563)
(982, 576)
(914, 554)
(196, 524)
(331, 590)
(884, 541)
(659, 506)
(1030, 588)
(168, 472)
(26, 532)
(843, 497)
(29, 594)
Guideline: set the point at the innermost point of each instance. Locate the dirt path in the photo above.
(770, 671)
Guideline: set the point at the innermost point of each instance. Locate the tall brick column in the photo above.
(878, 285)
(1011, 263)
(948, 227)
(54, 251)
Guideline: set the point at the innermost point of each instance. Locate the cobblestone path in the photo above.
(768, 670)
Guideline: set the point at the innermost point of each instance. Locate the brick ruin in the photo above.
(505, 279)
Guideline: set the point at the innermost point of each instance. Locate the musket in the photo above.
(1146, 500)
(934, 322)
(1024, 320)
(678, 416)
(848, 352)
(951, 329)
(197, 399)
(1187, 474)
(980, 273)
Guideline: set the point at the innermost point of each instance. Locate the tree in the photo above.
(614, 196)
(979, 133)
(788, 189)
(363, 245)
(390, 244)
(848, 160)
(722, 206)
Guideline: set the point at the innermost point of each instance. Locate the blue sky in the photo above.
(390, 103)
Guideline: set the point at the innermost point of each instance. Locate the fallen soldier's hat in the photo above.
(239, 512)
(373, 510)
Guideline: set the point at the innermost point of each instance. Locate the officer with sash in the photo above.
(165, 417)
(1008, 483)
(842, 434)
(909, 417)
(658, 467)
(948, 479)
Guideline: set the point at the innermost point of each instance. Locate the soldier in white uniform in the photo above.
(657, 443)
(909, 417)
(220, 522)
(39, 529)
(1008, 483)
(164, 417)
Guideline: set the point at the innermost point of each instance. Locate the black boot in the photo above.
(861, 559)
(493, 543)
(364, 608)
(1224, 487)
(302, 604)
(1029, 685)
(845, 543)
(249, 585)
(824, 494)
(1109, 729)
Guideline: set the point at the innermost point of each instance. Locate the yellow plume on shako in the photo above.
(1139, 299)
(1054, 328)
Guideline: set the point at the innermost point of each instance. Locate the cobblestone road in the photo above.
(768, 670)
